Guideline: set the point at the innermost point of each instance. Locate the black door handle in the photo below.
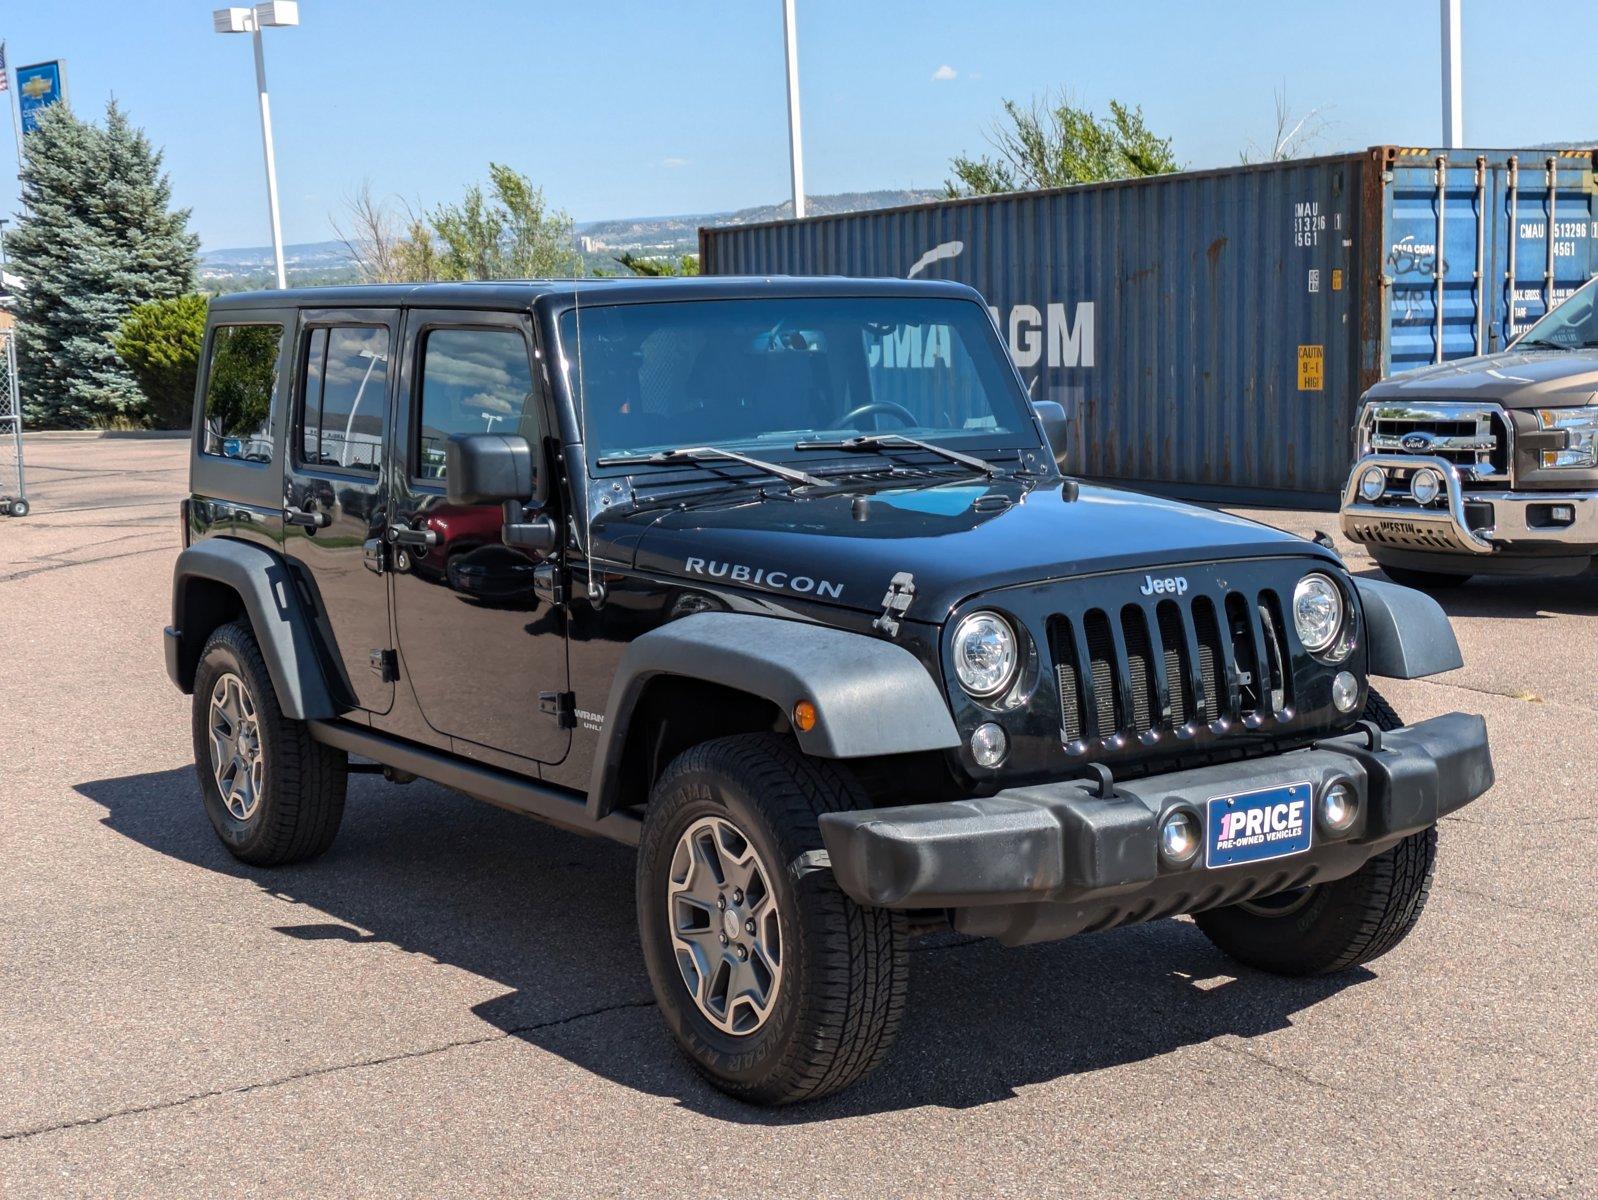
(401, 536)
(310, 520)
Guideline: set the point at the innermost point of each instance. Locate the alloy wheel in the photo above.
(237, 760)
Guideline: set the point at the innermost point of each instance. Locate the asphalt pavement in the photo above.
(451, 1002)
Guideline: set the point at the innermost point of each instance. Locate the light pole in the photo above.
(252, 21)
(1453, 79)
(796, 152)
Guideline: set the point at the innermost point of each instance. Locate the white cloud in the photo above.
(673, 163)
(944, 73)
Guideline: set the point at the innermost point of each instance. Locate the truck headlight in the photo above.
(1317, 612)
(985, 656)
(1581, 426)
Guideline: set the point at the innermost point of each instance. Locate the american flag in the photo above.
(5, 75)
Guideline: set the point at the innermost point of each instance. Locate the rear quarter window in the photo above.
(240, 381)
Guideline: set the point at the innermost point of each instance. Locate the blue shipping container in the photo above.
(1214, 329)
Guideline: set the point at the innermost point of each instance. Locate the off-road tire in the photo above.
(1342, 923)
(1424, 581)
(845, 967)
(303, 782)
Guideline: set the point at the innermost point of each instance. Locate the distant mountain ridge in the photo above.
(226, 268)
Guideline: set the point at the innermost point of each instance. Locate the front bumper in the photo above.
(1036, 863)
(1480, 522)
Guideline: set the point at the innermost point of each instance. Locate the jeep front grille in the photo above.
(1474, 437)
(1168, 665)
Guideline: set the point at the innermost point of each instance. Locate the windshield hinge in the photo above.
(901, 590)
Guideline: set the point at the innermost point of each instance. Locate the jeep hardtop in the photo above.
(779, 581)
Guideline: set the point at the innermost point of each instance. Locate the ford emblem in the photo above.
(1416, 443)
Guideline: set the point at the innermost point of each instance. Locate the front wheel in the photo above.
(777, 986)
(1332, 926)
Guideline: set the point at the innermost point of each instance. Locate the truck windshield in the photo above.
(1571, 326)
(761, 375)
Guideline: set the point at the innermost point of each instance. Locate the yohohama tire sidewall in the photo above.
(222, 656)
(739, 1061)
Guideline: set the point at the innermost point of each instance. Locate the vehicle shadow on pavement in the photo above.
(549, 916)
(1532, 596)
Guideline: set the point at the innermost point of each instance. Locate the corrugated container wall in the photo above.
(1216, 328)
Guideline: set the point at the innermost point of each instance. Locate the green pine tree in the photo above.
(97, 238)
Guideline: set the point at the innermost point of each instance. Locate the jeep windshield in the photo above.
(764, 376)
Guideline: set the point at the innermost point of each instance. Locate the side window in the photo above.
(345, 409)
(473, 381)
(239, 384)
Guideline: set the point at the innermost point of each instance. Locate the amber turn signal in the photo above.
(804, 716)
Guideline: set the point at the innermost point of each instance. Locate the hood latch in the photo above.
(901, 590)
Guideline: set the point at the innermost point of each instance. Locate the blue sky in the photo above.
(677, 106)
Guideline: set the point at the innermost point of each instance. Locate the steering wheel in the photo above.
(876, 407)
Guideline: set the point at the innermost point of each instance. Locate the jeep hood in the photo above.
(957, 539)
(1515, 379)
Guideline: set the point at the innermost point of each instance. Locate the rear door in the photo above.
(335, 491)
(481, 640)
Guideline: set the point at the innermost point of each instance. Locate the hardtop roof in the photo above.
(521, 294)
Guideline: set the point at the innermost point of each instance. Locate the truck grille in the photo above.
(1169, 664)
(1474, 438)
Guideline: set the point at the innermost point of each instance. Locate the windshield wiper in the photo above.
(710, 453)
(1542, 344)
(872, 441)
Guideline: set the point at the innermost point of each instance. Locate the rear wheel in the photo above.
(1333, 926)
(273, 794)
(776, 985)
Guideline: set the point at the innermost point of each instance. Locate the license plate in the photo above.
(1254, 826)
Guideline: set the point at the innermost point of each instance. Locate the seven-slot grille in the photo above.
(1167, 664)
(1472, 437)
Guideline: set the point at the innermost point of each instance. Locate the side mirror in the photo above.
(1056, 428)
(489, 468)
(497, 468)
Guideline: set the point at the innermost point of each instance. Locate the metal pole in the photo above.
(796, 151)
(11, 383)
(1453, 79)
(16, 118)
(271, 159)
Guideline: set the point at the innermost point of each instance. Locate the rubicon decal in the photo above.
(787, 581)
(1258, 825)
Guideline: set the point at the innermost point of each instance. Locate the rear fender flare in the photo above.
(872, 697)
(284, 629)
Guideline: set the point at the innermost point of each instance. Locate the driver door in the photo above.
(483, 646)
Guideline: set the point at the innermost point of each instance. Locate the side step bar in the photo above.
(567, 809)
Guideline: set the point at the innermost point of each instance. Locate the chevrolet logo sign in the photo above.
(36, 87)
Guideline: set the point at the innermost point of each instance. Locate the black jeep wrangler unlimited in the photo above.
(779, 581)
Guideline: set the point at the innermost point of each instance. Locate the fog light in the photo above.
(1345, 692)
(1338, 808)
(1424, 486)
(1372, 484)
(989, 745)
(1179, 837)
(1562, 514)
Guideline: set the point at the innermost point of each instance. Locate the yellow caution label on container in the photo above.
(1337, 279)
(1311, 368)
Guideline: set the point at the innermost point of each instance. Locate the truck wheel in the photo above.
(273, 795)
(1425, 581)
(1332, 926)
(777, 986)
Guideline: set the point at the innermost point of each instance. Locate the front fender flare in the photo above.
(872, 697)
(283, 629)
(1407, 632)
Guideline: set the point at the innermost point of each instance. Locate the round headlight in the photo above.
(984, 653)
(1317, 612)
(1372, 484)
(1425, 486)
